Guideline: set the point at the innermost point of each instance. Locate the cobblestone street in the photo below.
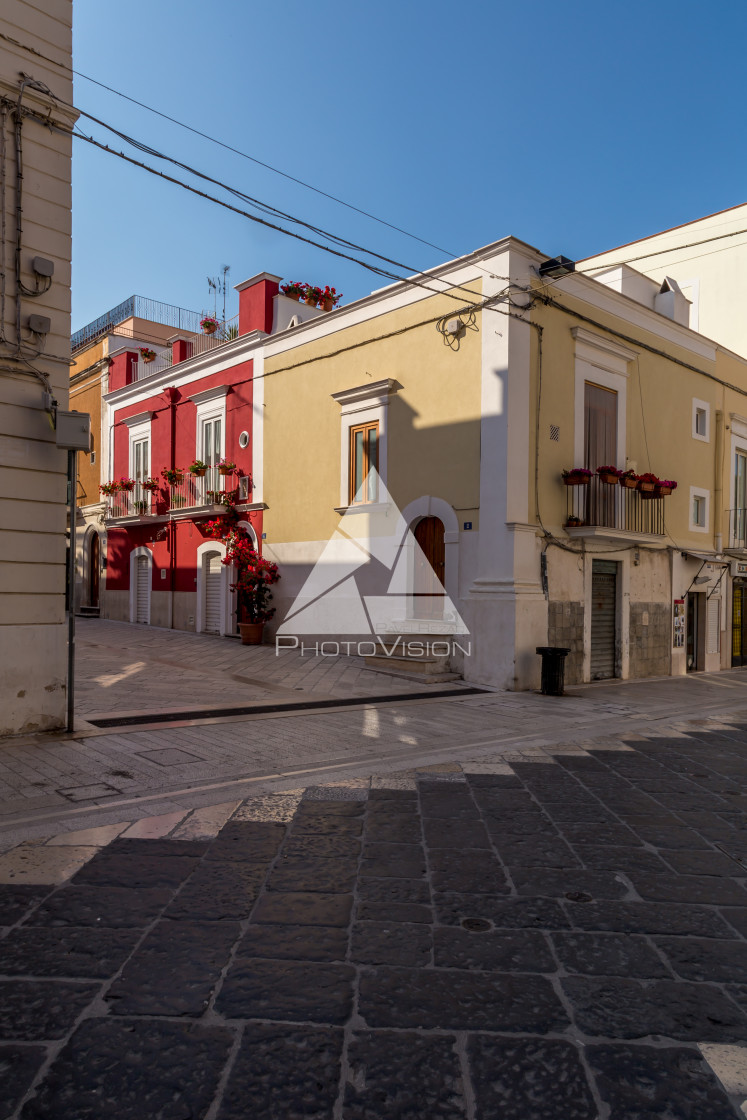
(559, 934)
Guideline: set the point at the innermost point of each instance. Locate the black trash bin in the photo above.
(553, 669)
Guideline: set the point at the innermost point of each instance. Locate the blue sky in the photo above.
(575, 126)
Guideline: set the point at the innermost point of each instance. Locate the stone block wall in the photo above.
(650, 639)
(565, 627)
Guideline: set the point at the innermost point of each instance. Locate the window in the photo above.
(140, 459)
(701, 420)
(364, 460)
(700, 501)
(699, 511)
(600, 426)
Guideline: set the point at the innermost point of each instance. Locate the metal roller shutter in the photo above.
(142, 598)
(213, 589)
(603, 612)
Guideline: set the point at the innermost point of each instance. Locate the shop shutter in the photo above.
(603, 611)
(713, 618)
(142, 588)
(213, 590)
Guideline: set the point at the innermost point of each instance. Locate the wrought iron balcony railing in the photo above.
(601, 505)
(202, 490)
(130, 503)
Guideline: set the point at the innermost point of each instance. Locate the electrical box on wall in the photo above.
(73, 430)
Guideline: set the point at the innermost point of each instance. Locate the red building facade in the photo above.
(161, 567)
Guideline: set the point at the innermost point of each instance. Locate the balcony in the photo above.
(130, 503)
(600, 509)
(206, 491)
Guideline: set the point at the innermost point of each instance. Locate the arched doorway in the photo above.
(429, 569)
(94, 563)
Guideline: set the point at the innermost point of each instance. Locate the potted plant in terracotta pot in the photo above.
(665, 487)
(198, 468)
(577, 476)
(312, 295)
(173, 475)
(253, 581)
(109, 488)
(293, 290)
(127, 485)
(609, 475)
(209, 325)
(150, 485)
(226, 466)
(147, 355)
(330, 298)
(573, 522)
(647, 484)
(628, 480)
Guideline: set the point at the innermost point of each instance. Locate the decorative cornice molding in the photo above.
(206, 395)
(140, 418)
(602, 344)
(373, 391)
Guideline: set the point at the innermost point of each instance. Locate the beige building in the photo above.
(34, 361)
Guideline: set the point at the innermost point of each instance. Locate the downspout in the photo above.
(172, 394)
(718, 487)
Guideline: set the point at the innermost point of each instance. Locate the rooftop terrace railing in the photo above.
(139, 307)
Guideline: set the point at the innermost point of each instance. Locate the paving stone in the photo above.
(609, 954)
(175, 969)
(737, 918)
(648, 917)
(689, 888)
(151, 828)
(89, 837)
(394, 830)
(18, 1068)
(329, 824)
(66, 951)
(674, 1083)
(295, 874)
(305, 908)
(398, 943)
(450, 808)
(296, 943)
(557, 882)
(247, 841)
(32, 1010)
(15, 902)
(570, 813)
(669, 837)
(219, 892)
(703, 863)
(123, 870)
(508, 827)
(450, 833)
(493, 951)
(394, 912)
(403, 1075)
(163, 1070)
(495, 801)
(607, 834)
(105, 907)
(398, 861)
(35, 864)
(139, 847)
(282, 1072)
(529, 1077)
(391, 793)
(705, 959)
(322, 847)
(493, 781)
(626, 860)
(467, 870)
(269, 807)
(506, 913)
(635, 1009)
(394, 890)
(323, 807)
(287, 990)
(205, 824)
(536, 852)
(451, 1000)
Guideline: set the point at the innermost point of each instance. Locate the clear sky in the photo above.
(575, 126)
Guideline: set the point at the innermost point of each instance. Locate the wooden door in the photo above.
(93, 572)
(430, 569)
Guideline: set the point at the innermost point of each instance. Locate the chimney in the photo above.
(256, 297)
(122, 369)
(672, 302)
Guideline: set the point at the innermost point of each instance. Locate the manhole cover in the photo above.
(578, 896)
(476, 925)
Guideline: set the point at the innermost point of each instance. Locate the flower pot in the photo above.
(662, 491)
(628, 483)
(648, 495)
(577, 480)
(609, 479)
(210, 329)
(198, 472)
(149, 360)
(646, 487)
(328, 305)
(251, 633)
(310, 302)
(225, 470)
(295, 296)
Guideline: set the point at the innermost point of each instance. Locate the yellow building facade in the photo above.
(477, 387)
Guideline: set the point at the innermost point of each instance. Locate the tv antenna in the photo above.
(218, 285)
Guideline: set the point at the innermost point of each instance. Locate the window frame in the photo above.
(705, 496)
(361, 405)
(705, 408)
(367, 427)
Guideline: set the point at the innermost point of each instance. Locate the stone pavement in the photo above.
(558, 932)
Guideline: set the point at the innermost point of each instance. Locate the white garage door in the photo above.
(142, 590)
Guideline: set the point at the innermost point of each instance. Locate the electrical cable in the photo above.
(660, 252)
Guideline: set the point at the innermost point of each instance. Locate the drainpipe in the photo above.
(718, 488)
(172, 395)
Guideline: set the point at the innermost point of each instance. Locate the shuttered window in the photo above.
(713, 619)
(142, 590)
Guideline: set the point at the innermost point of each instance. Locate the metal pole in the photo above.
(72, 481)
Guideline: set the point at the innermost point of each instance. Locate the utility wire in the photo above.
(660, 252)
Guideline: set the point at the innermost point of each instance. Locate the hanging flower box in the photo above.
(628, 480)
(647, 484)
(173, 475)
(577, 476)
(147, 355)
(209, 325)
(665, 488)
(109, 488)
(226, 466)
(127, 484)
(198, 468)
(150, 485)
(609, 475)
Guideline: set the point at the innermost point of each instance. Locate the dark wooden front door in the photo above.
(93, 572)
(430, 569)
(739, 624)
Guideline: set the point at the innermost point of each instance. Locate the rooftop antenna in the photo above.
(218, 285)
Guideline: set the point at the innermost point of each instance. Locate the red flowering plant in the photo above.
(294, 289)
(329, 295)
(173, 475)
(651, 478)
(209, 324)
(109, 488)
(147, 353)
(609, 470)
(150, 484)
(312, 294)
(226, 498)
(254, 575)
(127, 484)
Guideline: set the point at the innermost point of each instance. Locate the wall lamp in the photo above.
(557, 267)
